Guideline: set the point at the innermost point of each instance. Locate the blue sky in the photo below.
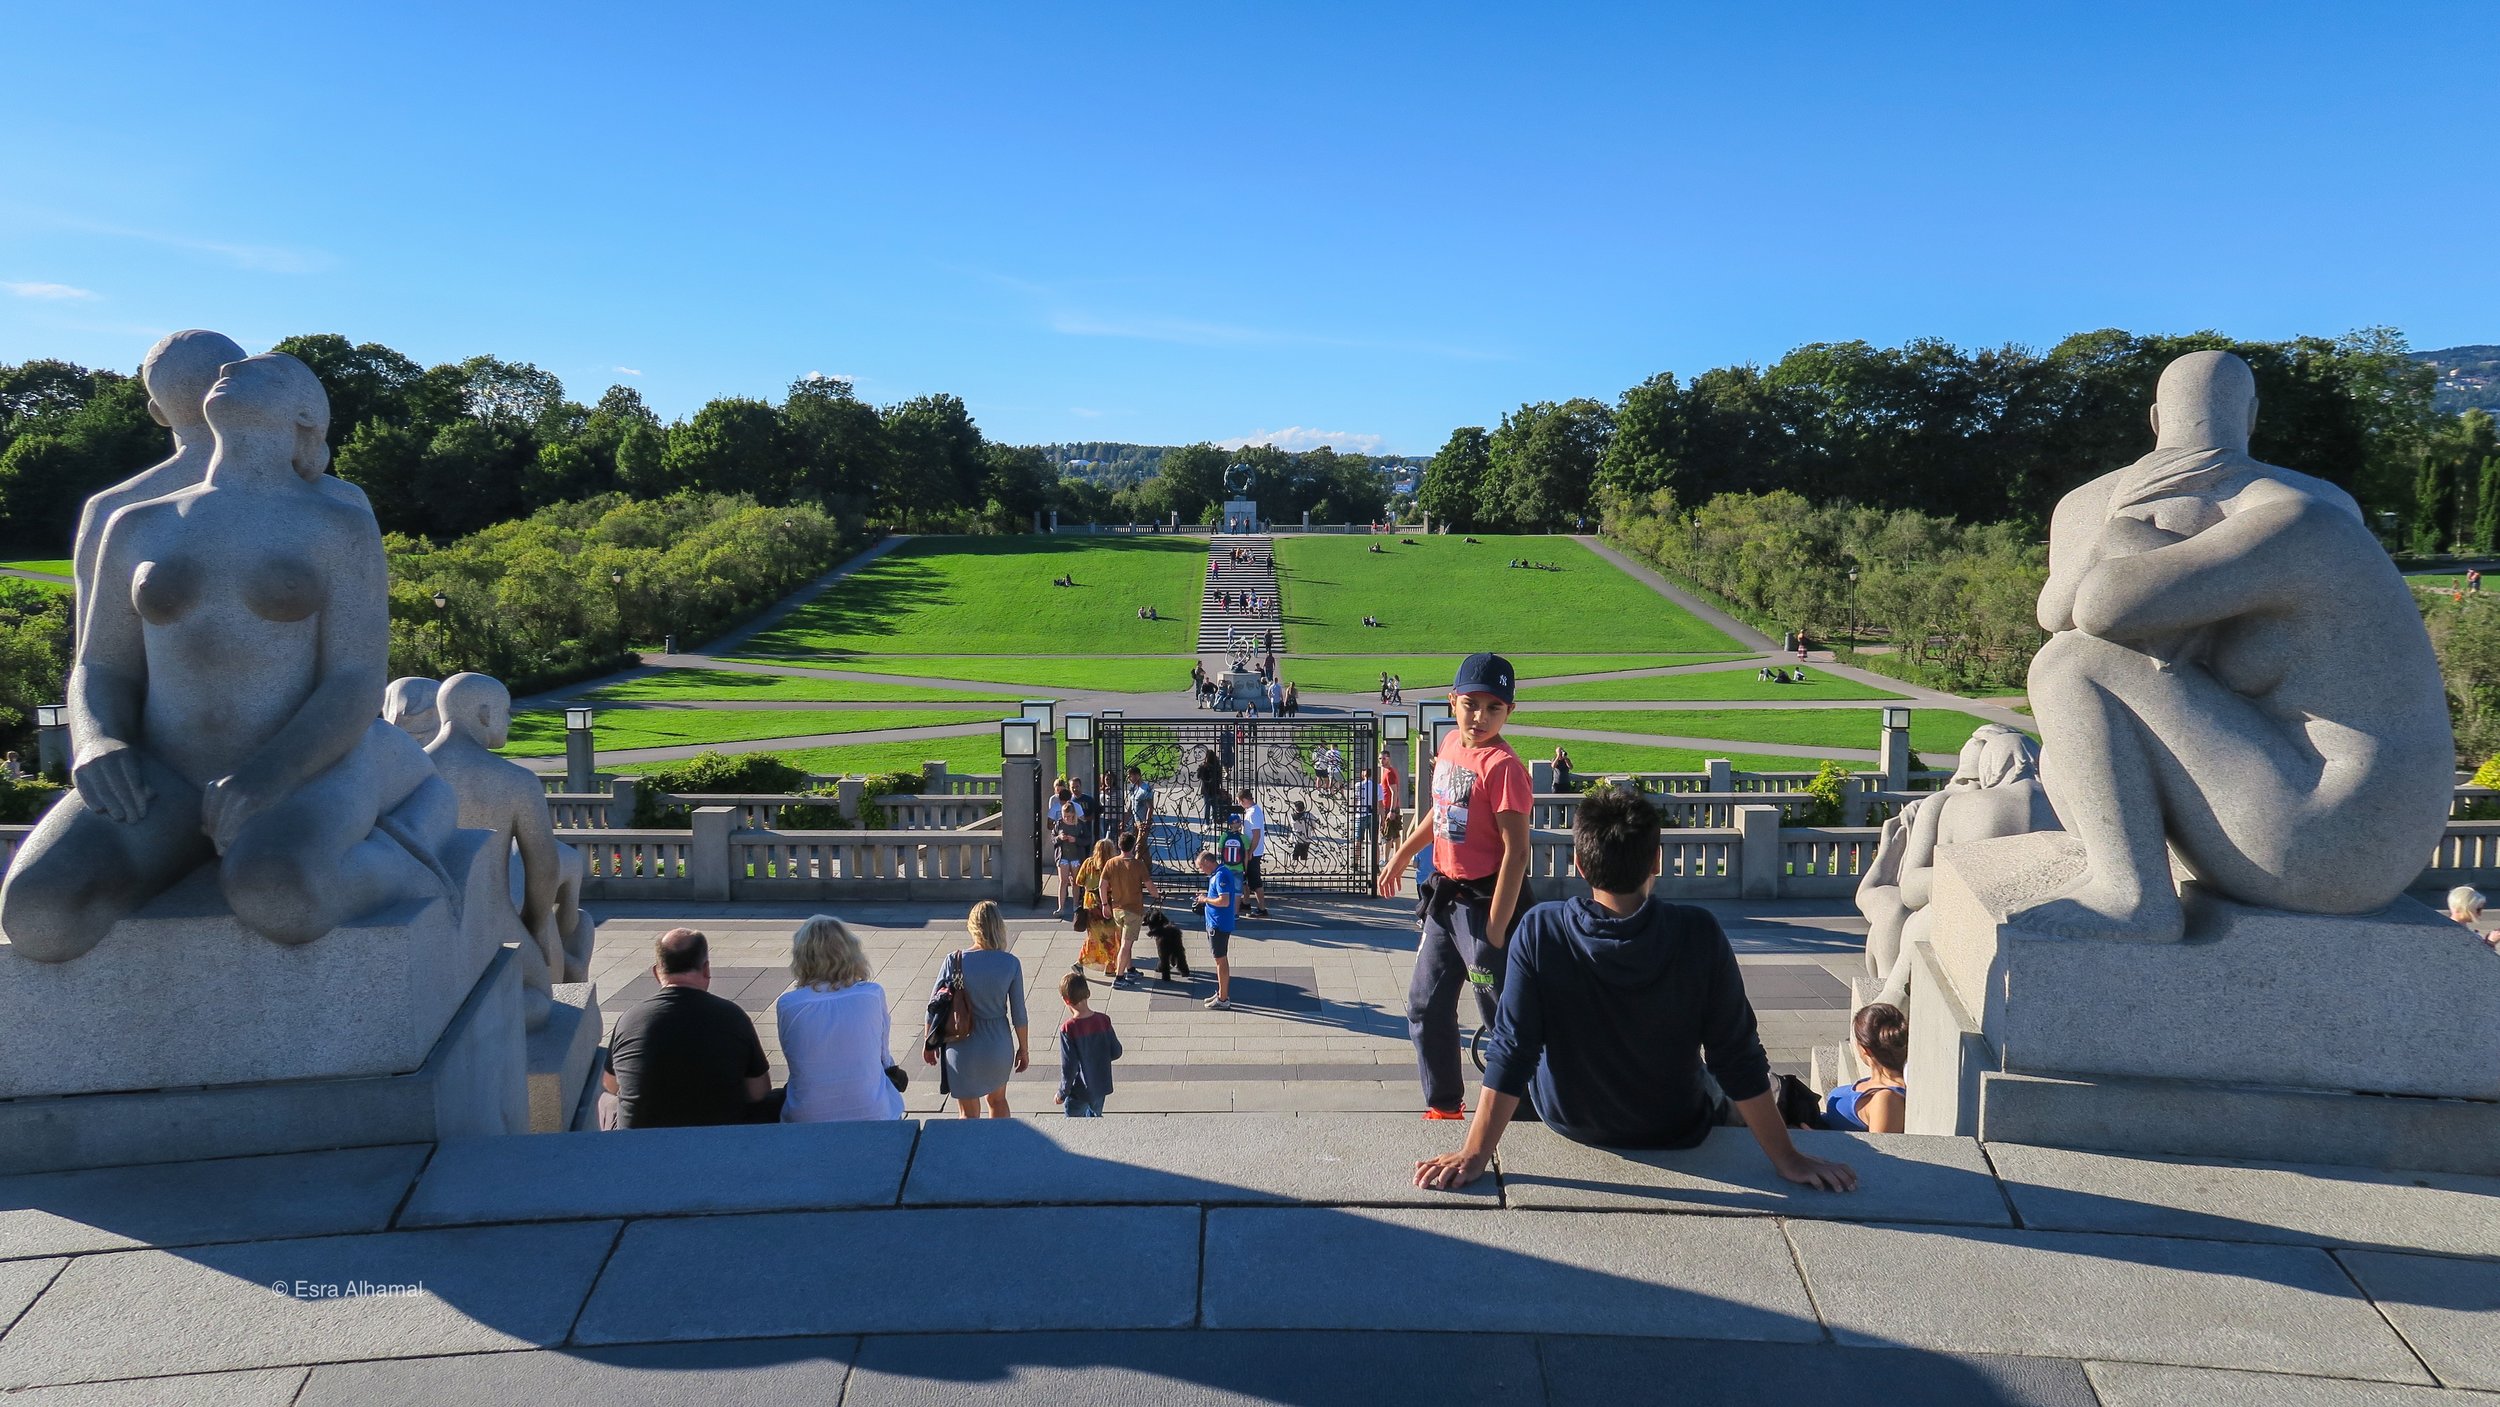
(1174, 222)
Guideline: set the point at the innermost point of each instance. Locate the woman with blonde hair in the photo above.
(1102, 936)
(836, 1033)
(975, 1069)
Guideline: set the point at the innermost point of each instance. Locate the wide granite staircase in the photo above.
(1224, 629)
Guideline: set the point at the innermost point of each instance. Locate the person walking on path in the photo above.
(1253, 871)
(1102, 939)
(1087, 1046)
(1221, 905)
(1126, 883)
(1478, 833)
(1067, 838)
(836, 1031)
(1211, 788)
(1141, 804)
(1392, 804)
(975, 1069)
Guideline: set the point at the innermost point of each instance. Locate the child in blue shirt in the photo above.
(1222, 906)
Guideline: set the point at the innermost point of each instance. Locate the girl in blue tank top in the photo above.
(1877, 1103)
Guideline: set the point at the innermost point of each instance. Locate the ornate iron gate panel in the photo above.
(1307, 767)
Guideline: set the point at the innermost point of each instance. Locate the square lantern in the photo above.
(577, 720)
(1110, 717)
(1080, 727)
(1019, 737)
(1042, 712)
(1395, 727)
(52, 715)
(1432, 711)
(1896, 718)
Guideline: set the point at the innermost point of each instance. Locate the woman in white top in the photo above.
(835, 1030)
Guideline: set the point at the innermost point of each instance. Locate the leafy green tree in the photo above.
(1544, 459)
(1452, 488)
(839, 442)
(48, 471)
(366, 380)
(936, 458)
(732, 445)
(1647, 449)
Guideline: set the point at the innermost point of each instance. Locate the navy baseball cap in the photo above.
(1484, 674)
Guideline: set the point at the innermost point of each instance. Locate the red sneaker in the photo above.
(1459, 1113)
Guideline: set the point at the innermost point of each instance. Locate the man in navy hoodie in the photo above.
(1612, 1007)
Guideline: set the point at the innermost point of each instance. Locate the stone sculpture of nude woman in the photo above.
(2236, 674)
(224, 698)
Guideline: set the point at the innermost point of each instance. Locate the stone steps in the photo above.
(1257, 576)
(729, 1256)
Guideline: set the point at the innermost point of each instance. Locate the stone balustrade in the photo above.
(720, 860)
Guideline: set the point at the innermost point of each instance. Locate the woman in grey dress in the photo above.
(977, 1067)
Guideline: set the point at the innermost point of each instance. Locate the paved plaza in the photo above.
(1319, 994)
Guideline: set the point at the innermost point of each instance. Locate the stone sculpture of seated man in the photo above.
(2236, 674)
(509, 803)
(223, 701)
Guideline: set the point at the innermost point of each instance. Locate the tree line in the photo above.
(449, 450)
(452, 449)
(1976, 436)
(1953, 604)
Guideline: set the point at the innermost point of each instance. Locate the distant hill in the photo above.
(2469, 378)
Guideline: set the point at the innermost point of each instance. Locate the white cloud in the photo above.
(1297, 437)
(629, 371)
(50, 292)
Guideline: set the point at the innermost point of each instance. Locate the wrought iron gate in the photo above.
(1293, 767)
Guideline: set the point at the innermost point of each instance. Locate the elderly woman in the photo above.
(835, 1030)
(976, 1068)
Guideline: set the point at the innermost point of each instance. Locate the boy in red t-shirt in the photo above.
(1478, 831)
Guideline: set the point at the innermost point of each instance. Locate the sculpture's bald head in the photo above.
(408, 705)
(478, 706)
(2206, 400)
(178, 372)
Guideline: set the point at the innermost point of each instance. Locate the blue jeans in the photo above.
(1078, 1109)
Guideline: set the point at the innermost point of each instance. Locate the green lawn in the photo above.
(1632, 757)
(541, 734)
(1430, 675)
(796, 688)
(1717, 684)
(938, 595)
(57, 566)
(1931, 730)
(1116, 676)
(972, 752)
(1445, 595)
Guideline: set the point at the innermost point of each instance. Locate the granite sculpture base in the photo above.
(2330, 1038)
(184, 1035)
(563, 1057)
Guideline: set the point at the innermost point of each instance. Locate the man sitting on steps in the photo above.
(1628, 1016)
(685, 1057)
